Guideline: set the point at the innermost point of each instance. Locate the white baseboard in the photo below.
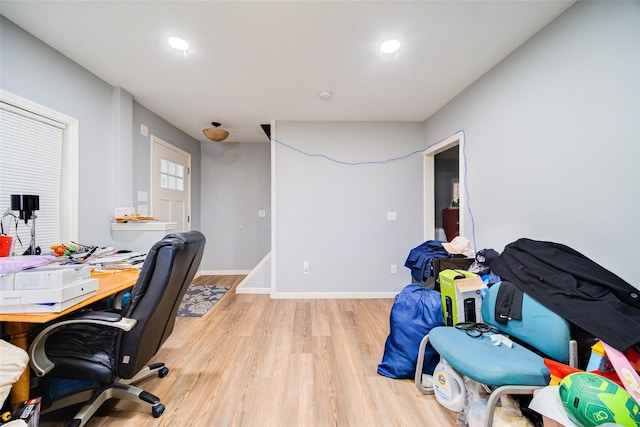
(241, 289)
(245, 287)
(333, 295)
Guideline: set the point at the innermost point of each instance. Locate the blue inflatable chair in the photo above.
(506, 370)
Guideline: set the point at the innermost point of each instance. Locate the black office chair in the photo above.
(111, 348)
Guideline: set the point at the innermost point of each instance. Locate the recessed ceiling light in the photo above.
(325, 94)
(390, 46)
(179, 44)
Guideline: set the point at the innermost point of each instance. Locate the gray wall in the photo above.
(552, 153)
(115, 156)
(552, 146)
(112, 153)
(552, 138)
(236, 179)
(141, 148)
(33, 70)
(335, 215)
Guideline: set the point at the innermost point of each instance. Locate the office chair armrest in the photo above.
(103, 315)
(38, 359)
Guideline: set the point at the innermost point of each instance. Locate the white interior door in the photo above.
(170, 184)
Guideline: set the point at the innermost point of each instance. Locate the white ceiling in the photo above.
(251, 62)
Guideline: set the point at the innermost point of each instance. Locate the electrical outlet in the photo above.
(393, 269)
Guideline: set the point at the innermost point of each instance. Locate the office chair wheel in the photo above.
(163, 372)
(157, 410)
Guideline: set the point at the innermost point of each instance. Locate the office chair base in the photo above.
(119, 391)
(69, 400)
(157, 410)
(147, 371)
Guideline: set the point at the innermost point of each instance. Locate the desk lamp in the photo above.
(26, 204)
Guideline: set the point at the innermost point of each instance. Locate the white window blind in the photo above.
(31, 163)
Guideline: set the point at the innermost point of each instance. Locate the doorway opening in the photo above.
(444, 189)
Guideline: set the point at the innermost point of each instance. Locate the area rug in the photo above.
(199, 299)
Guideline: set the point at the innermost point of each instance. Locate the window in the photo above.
(455, 192)
(38, 155)
(171, 175)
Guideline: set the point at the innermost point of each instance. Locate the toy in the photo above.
(598, 360)
(592, 400)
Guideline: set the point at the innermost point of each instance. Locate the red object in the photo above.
(450, 223)
(634, 358)
(560, 370)
(5, 245)
(58, 250)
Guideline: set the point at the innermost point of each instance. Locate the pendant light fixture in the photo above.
(215, 133)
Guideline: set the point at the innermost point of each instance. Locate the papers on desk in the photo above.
(120, 261)
(54, 287)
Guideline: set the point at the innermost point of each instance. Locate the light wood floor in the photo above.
(254, 361)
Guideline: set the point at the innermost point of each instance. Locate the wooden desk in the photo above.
(18, 326)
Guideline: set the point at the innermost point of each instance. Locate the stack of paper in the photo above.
(120, 261)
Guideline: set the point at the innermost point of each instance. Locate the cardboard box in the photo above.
(461, 296)
(441, 264)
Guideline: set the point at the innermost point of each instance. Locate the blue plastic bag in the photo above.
(415, 311)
